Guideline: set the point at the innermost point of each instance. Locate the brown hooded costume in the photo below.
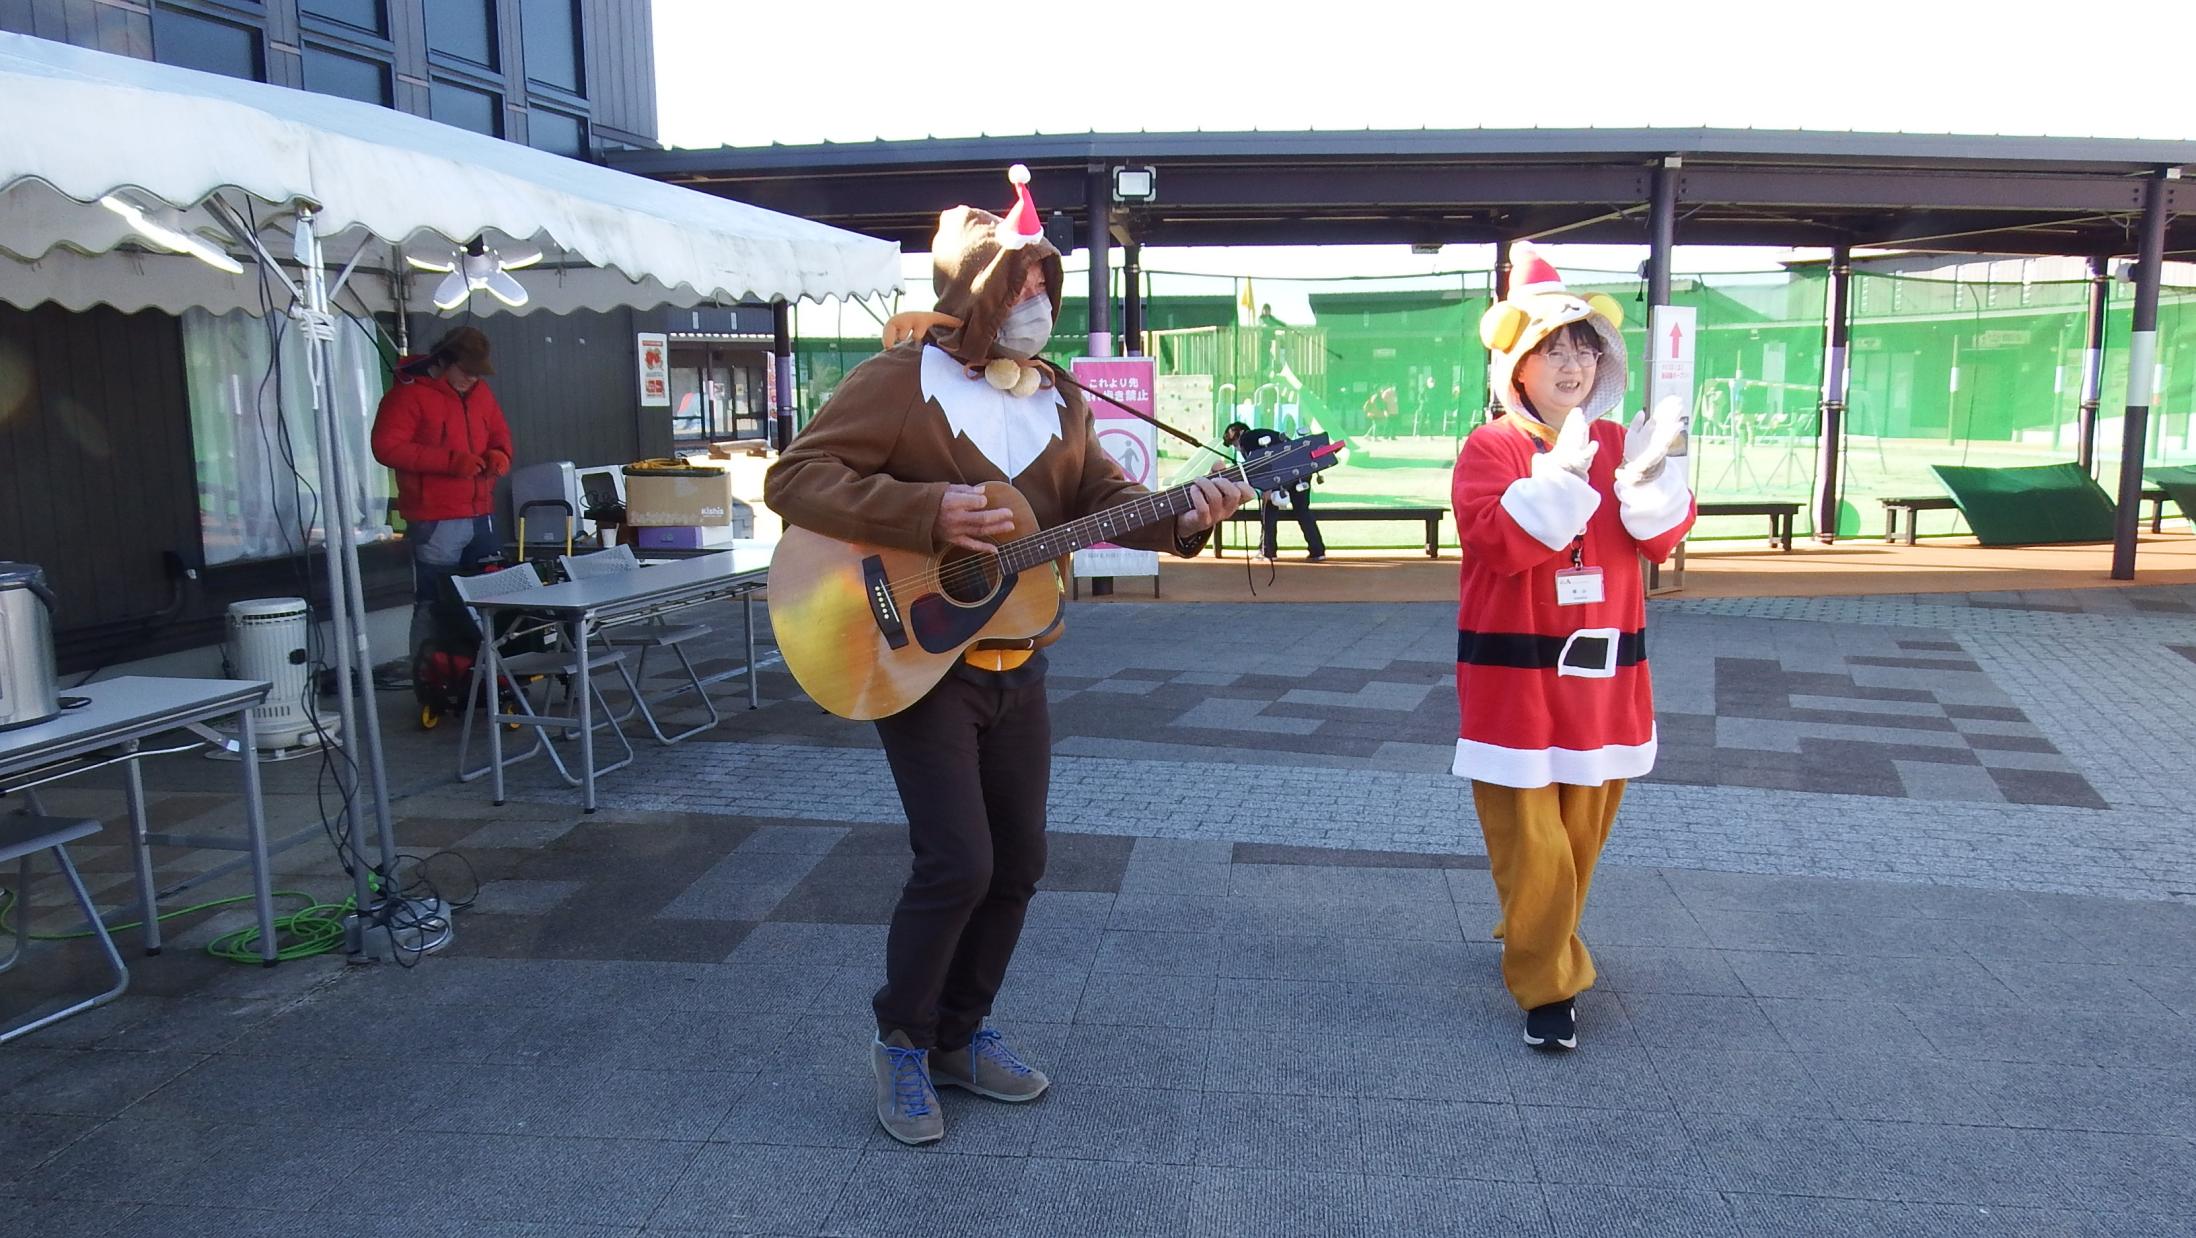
(914, 419)
(972, 758)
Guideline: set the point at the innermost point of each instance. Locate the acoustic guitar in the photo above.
(867, 630)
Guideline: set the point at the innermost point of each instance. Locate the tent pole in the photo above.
(335, 550)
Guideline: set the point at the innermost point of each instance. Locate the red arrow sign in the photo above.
(1676, 334)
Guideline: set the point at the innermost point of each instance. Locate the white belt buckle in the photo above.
(1580, 659)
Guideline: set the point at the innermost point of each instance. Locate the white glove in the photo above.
(1653, 499)
(1573, 451)
(1648, 440)
(1554, 503)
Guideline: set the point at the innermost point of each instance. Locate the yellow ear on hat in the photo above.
(1501, 325)
(1606, 306)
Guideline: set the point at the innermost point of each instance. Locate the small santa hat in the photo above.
(1531, 274)
(1021, 225)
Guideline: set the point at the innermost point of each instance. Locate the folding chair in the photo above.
(513, 670)
(24, 834)
(653, 634)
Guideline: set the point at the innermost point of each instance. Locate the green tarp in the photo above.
(2029, 506)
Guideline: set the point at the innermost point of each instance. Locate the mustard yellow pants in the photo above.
(1542, 843)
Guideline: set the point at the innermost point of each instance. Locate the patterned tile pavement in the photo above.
(1893, 942)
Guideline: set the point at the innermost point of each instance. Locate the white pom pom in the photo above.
(1018, 174)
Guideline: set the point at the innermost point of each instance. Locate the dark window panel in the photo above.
(369, 15)
(334, 73)
(556, 132)
(195, 42)
(551, 29)
(465, 29)
(466, 108)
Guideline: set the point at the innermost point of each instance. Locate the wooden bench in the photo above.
(1915, 505)
(1780, 513)
(1431, 515)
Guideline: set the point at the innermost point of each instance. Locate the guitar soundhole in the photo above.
(969, 579)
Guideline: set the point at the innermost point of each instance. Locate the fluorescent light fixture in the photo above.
(481, 267)
(164, 228)
(1134, 184)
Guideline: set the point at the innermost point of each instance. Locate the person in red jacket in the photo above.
(1555, 509)
(440, 429)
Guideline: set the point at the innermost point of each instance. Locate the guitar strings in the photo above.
(976, 569)
(972, 570)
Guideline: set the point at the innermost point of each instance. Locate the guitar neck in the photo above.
(1024, 553)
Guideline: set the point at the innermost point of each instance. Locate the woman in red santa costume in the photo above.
(1555, 509)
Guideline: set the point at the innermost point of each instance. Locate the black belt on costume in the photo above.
(1526, 651)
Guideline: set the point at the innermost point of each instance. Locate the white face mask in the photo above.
(1025, 330)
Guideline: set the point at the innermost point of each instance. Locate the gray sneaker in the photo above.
(907, 1105)
(988, 1068)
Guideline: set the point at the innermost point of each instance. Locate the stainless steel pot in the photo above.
(28, 691)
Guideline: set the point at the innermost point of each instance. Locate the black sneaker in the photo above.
(1553, 1027)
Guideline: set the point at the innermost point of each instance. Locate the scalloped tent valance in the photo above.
(85, 125)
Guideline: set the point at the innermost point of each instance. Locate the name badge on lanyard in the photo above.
(1578, 585)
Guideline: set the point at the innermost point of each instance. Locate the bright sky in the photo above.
(745, 74)
(748, 74)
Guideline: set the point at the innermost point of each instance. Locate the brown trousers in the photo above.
(973, 761)
(1542, 844)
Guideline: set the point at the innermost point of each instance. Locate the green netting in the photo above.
(1943, 370)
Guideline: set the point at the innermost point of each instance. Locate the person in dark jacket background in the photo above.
(440, 429)
(1241, 437)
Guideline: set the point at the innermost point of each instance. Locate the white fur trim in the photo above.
(1537, 767)
(1652, 508)
(1552, 507)
(1011, 431)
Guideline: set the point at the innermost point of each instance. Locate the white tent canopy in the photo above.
(83, 126)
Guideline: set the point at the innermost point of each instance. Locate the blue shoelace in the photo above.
(910, 1080)
(987, 1044)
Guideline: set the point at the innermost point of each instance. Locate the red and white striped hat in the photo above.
(1020, 226)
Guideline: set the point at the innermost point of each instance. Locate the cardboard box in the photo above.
(669, 499)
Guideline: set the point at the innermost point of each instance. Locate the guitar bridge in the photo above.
(882, 608)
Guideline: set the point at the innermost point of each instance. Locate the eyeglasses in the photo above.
(1561, 357)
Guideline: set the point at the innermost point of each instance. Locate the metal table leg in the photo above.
(255, 822)
(494, 710)
(747, 624)
(586, 716)
(148, 901)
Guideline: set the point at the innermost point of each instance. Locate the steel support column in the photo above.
(2093, 355)
(1661, 231)
(1132, 299)
(781, 368)
(1830, 442)
(2142, 357)
(1098, 204)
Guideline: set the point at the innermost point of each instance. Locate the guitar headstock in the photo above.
(1281, 465)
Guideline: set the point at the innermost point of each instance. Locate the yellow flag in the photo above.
(1246, 307)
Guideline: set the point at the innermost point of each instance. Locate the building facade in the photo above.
(113, 473)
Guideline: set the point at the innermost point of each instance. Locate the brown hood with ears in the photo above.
(976, 280)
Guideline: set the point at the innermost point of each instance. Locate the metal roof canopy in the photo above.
(2008, 195)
